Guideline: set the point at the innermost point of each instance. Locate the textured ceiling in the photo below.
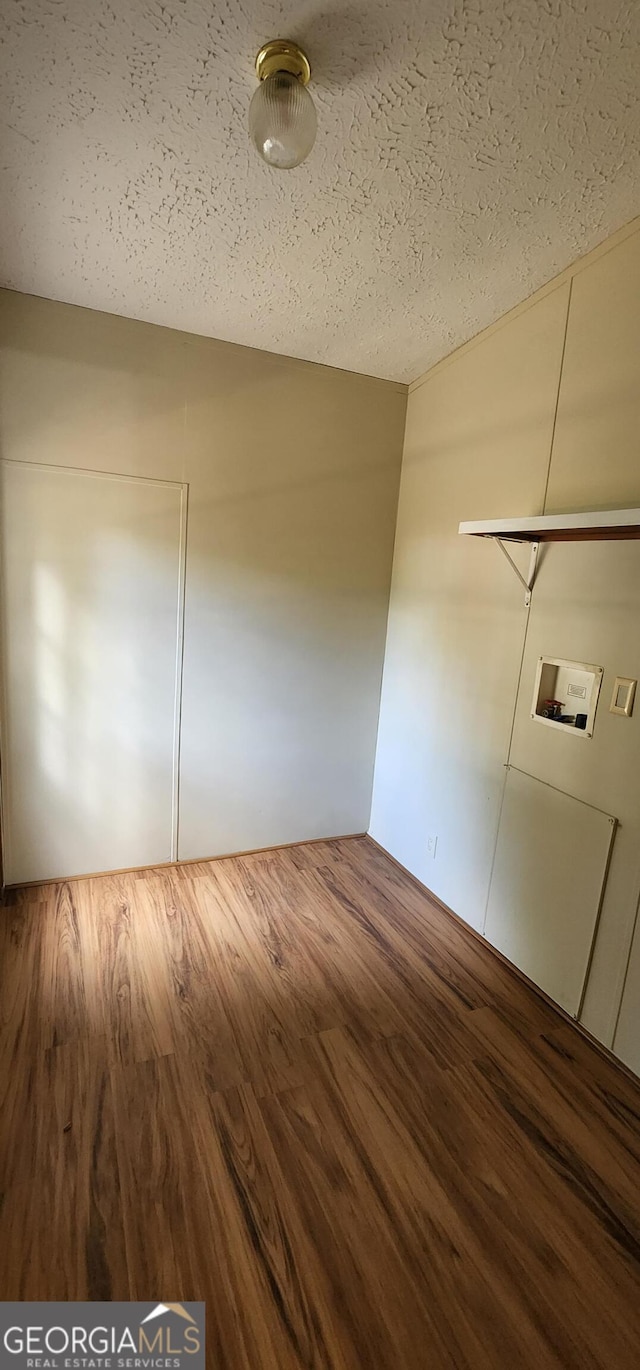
(467, 151)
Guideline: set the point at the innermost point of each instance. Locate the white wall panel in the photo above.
(91, 605)
(477, 445)
(586, 602)
(548, 880)
(293, 479)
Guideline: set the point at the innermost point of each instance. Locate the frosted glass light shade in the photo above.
(282, 120)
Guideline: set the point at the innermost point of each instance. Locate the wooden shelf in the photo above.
(601, 525)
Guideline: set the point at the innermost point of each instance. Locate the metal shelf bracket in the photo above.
(533, 562)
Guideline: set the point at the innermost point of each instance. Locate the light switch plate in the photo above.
(624, 690)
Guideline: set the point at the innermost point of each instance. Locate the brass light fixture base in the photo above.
(280, 54)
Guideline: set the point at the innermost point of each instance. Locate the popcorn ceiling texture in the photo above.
(466, 153)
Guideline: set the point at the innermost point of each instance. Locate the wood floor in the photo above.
(290, 1085)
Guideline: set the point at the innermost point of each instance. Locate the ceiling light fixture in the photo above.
(282, 115)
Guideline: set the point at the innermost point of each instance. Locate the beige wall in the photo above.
(292, 471)
(477, 445)
(540, 414)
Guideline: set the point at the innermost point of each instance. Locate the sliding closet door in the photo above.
(91, 618)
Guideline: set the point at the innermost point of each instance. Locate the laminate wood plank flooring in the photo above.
(290, 1084)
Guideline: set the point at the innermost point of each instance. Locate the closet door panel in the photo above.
(91, 613)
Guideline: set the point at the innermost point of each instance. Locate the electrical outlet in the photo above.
(432, 844)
